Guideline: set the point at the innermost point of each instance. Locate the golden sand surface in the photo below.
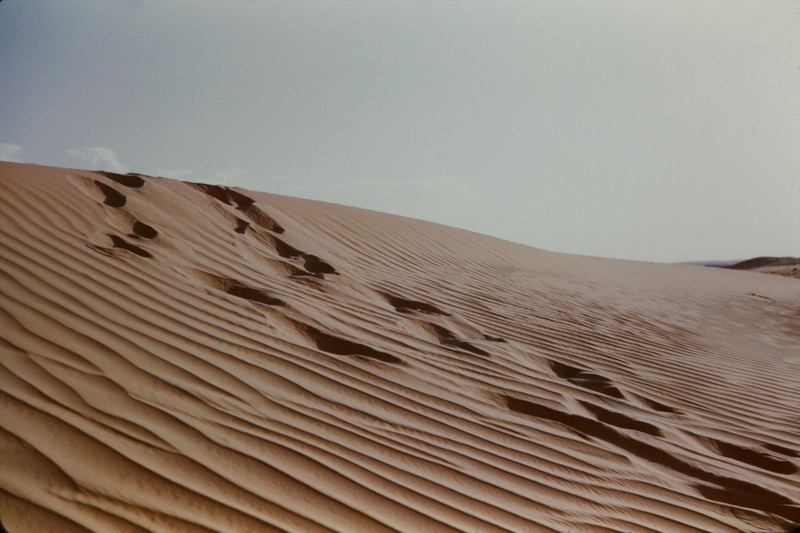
(178, 357)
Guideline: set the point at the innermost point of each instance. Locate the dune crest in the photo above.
(781, 266)
(185, 357)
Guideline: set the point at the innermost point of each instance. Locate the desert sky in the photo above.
(657, 131)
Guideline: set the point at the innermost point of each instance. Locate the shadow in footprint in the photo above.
(285, 250)
(241, 225)
(447, 338)
(620, 420)
(119, 242)
(658, 406)
(315, 265)
(225, 195)
(131, 181)
(587, 380)
(237, 288)
(752, 457)
(339, 346)
(781, 450)
(298, 274)
(241, 202)
(406, 305)
(113, 198)
(716, 487)
(140, 229)
(741, 494)
(263, 220)
(252, 294)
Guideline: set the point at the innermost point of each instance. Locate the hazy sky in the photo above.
(651, 130)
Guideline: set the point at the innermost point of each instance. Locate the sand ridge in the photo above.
(187, 357)
(781, 266)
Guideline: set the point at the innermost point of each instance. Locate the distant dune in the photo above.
(782, 266)
(178, 357)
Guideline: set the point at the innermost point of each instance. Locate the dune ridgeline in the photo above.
(179, 357)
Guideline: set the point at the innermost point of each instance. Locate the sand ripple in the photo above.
(183, 357)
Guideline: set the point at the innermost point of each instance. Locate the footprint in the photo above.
(225, 195)
(315, 265)
(447, 338)
(233, 287)
(658, 406)
(140, 229)
(339, 346)
(128, 180)
(113, 198)
(580, 424)
(263, 220)
(587, 380)
(406, 305)
(119, 242)
(298, 274)
(750, 456)
(284, 249)
(239, 289)
(719, 488)
(291, 256)
(744, 494)
(444, 336)
(254, 295)
(781, 450)
(241, 225)
(620, 420)
(102, 250)
(241, 202)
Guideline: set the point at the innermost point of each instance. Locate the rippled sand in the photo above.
(180, 357)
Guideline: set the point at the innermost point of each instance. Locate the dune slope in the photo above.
(184, 357)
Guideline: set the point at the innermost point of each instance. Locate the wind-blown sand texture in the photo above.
(184, 357)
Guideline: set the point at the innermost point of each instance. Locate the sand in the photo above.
(187, 358)
(780, 266)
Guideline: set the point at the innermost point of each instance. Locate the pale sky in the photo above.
(649, 130)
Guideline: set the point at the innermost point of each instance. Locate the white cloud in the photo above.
(101, 158)
(8, 152)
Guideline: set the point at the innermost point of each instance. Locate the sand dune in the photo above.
(781, 266)
(183, 357)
